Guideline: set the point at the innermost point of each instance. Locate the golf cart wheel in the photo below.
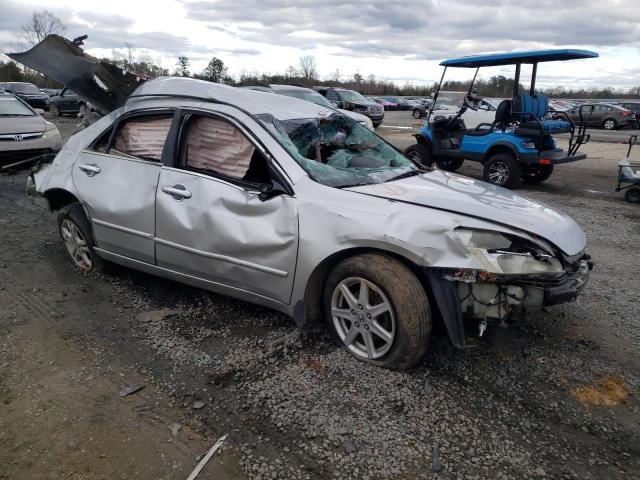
(536, 173)
(609, 124)
(54, 110)
(75, 232)
(503, 169)
(378, 310)
(420, 154)
(449, 164)
(417, 114)
(632, 195)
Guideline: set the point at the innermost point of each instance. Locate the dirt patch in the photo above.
(606, 391)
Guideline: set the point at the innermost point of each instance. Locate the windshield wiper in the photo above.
(405, 175)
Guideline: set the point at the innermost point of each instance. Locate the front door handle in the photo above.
(178, 192)
(91, 169)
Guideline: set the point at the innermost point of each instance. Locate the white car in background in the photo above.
(486, 112)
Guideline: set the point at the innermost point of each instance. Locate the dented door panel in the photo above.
(119, 196)
(220, 232)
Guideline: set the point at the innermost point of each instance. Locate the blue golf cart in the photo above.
(518, 145)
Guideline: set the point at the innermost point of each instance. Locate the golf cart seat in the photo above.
(529, 111)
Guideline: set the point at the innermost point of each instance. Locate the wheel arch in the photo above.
(500, 147)
(309, 312)
(59, 198)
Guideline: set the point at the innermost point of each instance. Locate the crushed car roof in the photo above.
(252, 101)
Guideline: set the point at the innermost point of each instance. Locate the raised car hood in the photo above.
(22, 124)
(103, 85)
(455, 193)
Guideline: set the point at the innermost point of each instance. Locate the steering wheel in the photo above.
(466, 103)
(457, 116)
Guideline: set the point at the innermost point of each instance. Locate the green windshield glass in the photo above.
(338, 152)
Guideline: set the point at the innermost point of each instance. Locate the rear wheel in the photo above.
(417, 113)
(449, 164)
(503, 169)
(75, 232)
(632, 195)
(420, 154)
(609, 124)
(379, 311)
(536, 173)
(54, 110)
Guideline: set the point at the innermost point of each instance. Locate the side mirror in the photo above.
(270, 190)
(39, 111)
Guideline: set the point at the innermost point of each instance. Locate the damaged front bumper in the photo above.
(475, 295)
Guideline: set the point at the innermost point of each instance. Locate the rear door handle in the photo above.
(91, 169)
(178, 192)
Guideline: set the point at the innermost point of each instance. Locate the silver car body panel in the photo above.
(229, 241)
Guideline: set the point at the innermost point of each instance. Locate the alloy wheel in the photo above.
(499, 172)
(609, 125)
(76, 245)
(363, 317)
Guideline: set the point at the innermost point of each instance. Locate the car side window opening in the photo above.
(140, 137)
(217, 147)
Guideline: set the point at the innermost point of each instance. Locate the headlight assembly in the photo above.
(50, 133)
(502, 254)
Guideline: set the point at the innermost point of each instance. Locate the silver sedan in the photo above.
(295, 206)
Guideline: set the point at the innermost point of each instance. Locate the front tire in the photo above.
(609, 124)
(379, 311)
(420, 154)
(54, 110)
(76, 234)
(417, 114)
(537, 173)
(503, 170)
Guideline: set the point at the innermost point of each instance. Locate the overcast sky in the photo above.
(394, 40)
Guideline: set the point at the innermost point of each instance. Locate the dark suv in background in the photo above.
(67, 102)
(354, 101)
(27, 92)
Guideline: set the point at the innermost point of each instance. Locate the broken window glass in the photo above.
(339, 152)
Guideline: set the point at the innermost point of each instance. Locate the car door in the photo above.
(212, 221)
(117, 177)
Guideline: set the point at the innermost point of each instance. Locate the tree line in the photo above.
(305, 73)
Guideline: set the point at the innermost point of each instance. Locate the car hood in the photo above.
(455, 193)
(100, 83)
(21, 124)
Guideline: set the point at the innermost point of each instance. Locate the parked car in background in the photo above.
(635, 108)
(67, 102)
(27, 92)
(353, 101)
(602, 115)
(381, 101)
(51, 91)
(421, 109)
(24, 134)
(401, 103)
(313, 97)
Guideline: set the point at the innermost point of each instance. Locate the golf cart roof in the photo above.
(512, 58)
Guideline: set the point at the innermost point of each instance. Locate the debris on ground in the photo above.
(130, 390)
(606, 391)
(206, 458)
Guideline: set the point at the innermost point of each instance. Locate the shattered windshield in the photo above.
(338, 152)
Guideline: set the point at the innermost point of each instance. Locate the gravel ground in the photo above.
(554, 395)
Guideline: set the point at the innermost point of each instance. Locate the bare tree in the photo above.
(336, 76)
(41, 24)
(308, 69)
(290, 72)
